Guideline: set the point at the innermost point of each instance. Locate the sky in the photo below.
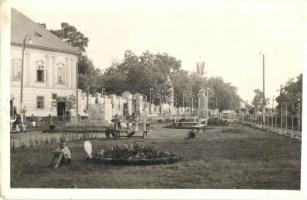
(229, 36)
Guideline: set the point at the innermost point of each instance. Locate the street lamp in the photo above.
(27, 38)
(183, 95)
(263, 85)
(192, 103)
(150, 100)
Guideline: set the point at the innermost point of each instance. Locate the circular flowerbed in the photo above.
(134, 154)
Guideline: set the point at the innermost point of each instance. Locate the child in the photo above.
(61, 156)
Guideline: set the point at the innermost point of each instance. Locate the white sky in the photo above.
(227, 35)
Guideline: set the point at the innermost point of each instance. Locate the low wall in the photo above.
(23, 140)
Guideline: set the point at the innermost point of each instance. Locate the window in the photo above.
(16, 69)
(40, 71)
(61, 74)
(40, 102)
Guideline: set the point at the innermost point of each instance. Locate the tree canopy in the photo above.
(140, 73)
(291, 95)
(148, 70)
(72, 36)
(225, 92)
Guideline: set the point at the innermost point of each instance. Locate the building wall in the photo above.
(30, 97)
(32, 88)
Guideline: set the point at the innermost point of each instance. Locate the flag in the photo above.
(200, 68)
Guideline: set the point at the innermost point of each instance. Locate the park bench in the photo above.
(199, 127)
(124, 131)
(202, 125)
(184, 124)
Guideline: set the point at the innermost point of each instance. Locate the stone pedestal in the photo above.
(128, 96)
(100, 113)
(139, 104)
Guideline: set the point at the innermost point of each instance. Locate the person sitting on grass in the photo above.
(61, 156)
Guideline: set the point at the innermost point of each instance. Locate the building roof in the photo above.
(22, 26)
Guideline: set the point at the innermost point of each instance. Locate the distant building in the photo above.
(50, 69)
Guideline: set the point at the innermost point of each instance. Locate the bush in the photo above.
(217, 122)
(191, 134)
(52, 127)
(134, 154)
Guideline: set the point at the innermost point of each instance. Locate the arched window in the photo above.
(40, 71)
(61, 73)
(16, 69)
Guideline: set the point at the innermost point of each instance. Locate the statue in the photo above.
(169, 91)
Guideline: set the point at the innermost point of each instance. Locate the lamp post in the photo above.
(183, 95)
(263, 85)
(192, 103)
(27, 38)
(150, 100)
(217, 104)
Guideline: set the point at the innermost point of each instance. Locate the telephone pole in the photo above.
(263, 75)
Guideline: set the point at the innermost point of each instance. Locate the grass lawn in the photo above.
(244, 159)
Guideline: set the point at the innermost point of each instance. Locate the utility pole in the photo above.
(26, 39)
(263, 103)
(150, 100)
(272, 118)
(183, 102)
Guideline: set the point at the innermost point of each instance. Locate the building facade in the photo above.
(49, 69)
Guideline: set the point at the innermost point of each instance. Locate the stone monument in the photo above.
(170, 95)
(203, 95)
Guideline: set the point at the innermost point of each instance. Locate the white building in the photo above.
(50, 68)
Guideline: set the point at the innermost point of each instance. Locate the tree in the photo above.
(182, 84)
(42, 25)
(71, 36)
(258, 99)
(291, 95)
(140, 73)
(225, 93)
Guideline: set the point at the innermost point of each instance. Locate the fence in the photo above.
(289, 126)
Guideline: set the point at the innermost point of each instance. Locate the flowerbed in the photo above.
(135, 154)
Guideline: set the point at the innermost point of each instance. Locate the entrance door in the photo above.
(60, 108)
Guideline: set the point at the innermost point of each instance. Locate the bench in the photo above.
(199, 127)
(184, 124)
(125, 129)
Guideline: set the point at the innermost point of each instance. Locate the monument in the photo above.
(203, 95)
(169, 95)
(100, 113)
(203, 104)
